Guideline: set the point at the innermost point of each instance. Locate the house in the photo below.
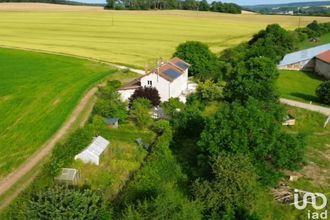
(92, 154)
(112, 122)
(169, 78)
(68, 176)
(322, 64)
(304, 59)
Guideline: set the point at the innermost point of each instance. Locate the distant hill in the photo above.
(294, 4)
(297, 8)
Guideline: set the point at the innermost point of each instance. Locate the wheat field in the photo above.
(134, 38)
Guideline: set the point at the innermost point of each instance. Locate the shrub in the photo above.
(140, 112)
(149, 93)
(323, 92)
(65, 203)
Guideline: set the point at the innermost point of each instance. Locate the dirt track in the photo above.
(12, 178)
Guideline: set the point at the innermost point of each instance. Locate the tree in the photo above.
(109, 103)
(253, 129)
(203, 6)
(253, 78)
(273, 42)
(209, 91)
(204, 63)
(171, 106)
(139, 112)
(323, 92)
(149, 93)
(65, 203)
(233, 186)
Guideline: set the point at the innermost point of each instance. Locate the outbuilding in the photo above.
(322, 64)
(92, 154)
(112, 122)
(68, 176)
(303, 59)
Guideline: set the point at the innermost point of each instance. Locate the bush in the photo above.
(140, 112)
(233, 186)
(170, 107)
(65, 203)
(149, 93)
(323, 92)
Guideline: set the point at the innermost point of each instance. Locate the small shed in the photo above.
(92, 154)
(68, 176)
(289, 120)
(112, 122)
(157, 113)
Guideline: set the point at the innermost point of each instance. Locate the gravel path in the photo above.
(315, 108)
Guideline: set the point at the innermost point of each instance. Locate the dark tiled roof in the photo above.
(325, 57)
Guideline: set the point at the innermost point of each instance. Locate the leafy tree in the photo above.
(139, 112)
(253, 129)
(209, 91)
(273, 42)
(203, 6)
(109, 103)
(253, 78)
(204, 63)
(171, 106)
(233, 186)
(146, 92)
(323, 92)
(65, 203)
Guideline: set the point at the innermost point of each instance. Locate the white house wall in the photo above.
(161, 84)
(126, 94)
(322, 68)
(179, 85)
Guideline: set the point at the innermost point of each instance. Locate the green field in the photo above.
(134, 38)
(298, 85)
(37, 94)
(324, 39)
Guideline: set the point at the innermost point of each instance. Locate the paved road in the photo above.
(310, 107)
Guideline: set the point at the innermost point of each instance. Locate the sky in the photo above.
(240, 2)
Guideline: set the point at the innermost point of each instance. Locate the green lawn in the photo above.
(37, 93)
(298, 85)
(324, 39)
(130, 37)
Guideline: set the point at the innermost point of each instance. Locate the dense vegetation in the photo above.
(174, 4)
(323, 92)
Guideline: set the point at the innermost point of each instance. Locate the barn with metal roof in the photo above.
(303, 59)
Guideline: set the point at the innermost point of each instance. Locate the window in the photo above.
(149, 83)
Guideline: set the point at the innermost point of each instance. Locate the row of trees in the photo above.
(173, 4)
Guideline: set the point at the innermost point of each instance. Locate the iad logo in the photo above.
(317, 200)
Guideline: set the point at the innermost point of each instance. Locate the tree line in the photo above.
(173, 4)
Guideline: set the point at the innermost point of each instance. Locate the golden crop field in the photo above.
(128, 37)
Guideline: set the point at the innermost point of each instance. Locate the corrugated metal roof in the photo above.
(303, 55)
